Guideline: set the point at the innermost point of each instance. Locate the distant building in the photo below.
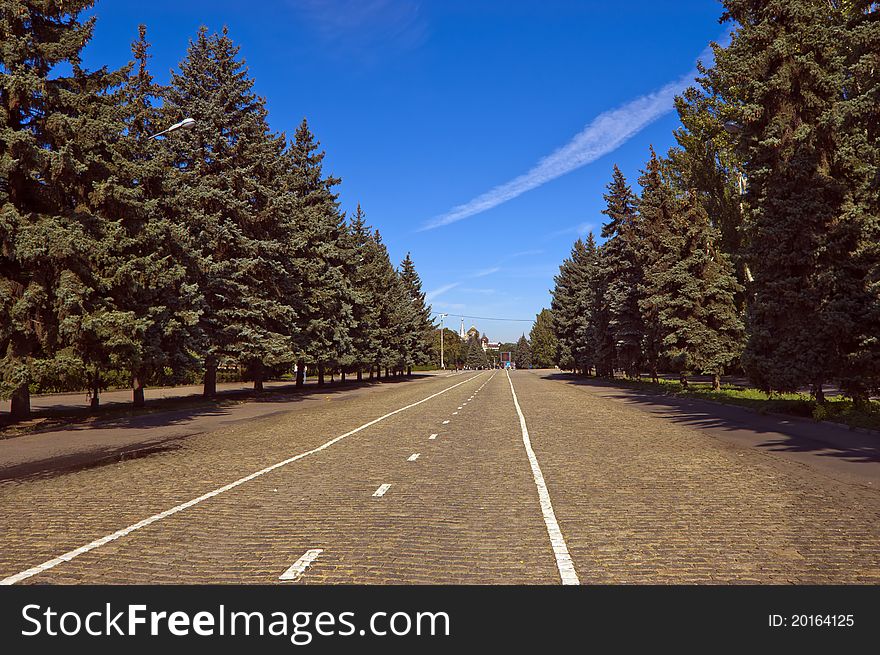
(473, 331)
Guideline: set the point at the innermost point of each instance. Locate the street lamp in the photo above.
(185, 124)
(442, 365)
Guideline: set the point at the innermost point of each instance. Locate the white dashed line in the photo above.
(557, 541)
(445, 422)
(300, 565)
(433, 436)
(413, 457)
(454, 413)
(381, 490)
(97, 543)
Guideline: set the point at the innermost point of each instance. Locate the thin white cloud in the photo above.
(602, 135)
(439, 291)
(486, 271)
(581, 229)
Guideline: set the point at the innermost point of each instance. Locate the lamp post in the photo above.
(442, 365)
(185, 124)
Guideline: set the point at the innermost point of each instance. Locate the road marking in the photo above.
(413, 457)
(381, 490)
(454, 413)
(557, 541)
(445, 422)
(97, 543)
(300, 565)
(433, 436)
(460, 406)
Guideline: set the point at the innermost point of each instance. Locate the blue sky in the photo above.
(497, 123)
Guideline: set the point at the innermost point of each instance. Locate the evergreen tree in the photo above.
(858, 120)
(418, 319)
(706, 161)
(569, 301)
(56, 129)
(366, 296)
(623, 275)
(476, 356)
(658, 221)
(153, 308)
(226, 190)
(782, 77)
(693, 288)
(323, 259)
(523, 355)
(543, 340)
(601, 335)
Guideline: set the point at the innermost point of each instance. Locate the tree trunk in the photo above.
(210, 377)
(342, 375)
(259, 374)
(95, 390)
(682, 378)
(409, 371)
(320, 374)
(300, 373)
(716, 382)
(20, 406)
(360, 375)
(819, 393)
(137, 389)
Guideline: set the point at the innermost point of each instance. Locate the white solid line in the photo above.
(433, 436)
(97, 543)
(557, 541)
(381, 490)
(413, 457)
(300, 565)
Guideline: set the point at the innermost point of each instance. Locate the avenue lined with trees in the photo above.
(163, 260)
(753, 244)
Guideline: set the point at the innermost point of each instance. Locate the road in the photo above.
(448, 479)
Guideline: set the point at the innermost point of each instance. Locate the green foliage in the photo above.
(129, 258)
(543, 340)
(475, 356)
(523, 354)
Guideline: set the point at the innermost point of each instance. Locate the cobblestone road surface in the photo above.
(443, 492)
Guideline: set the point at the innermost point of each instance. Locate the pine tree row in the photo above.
(219, 246)
(756, 242)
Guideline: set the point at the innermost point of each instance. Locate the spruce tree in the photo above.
(657, 228)
(56, 128)
(569, 306)
(156, 307)
(782, 77)
(365, 333)
(622, 271)
(229, 167)
(857, 116)
(693, 288)
(523, 356)
(323, 258)
(418, 319)
(476, 356)
(543, 340)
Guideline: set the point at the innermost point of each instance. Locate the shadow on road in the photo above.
(783, 433)
(163, 412)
